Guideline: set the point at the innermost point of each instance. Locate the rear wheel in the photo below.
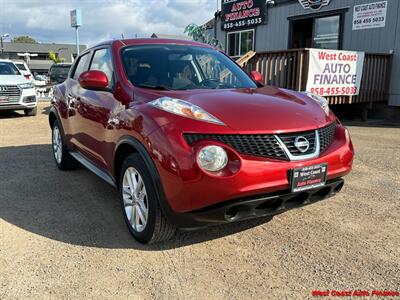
(30, 112)
(140, 203)
(61, 155)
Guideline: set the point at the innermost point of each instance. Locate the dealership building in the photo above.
(274, 29)
(38, 53)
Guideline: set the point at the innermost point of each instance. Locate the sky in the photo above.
(49, 20)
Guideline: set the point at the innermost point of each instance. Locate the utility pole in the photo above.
(76, 22)
(77, 39)
(2, 47)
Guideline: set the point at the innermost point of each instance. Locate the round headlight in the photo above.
(212, 158)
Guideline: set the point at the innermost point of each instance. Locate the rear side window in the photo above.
(59, 71)
(81, 66)
(21, 67)
(102, 62)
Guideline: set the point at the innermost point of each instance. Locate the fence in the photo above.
(289, 69)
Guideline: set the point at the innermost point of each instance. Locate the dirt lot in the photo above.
(62, 233)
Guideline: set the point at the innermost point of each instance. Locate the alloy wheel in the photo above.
(135, 199)
(57, 144)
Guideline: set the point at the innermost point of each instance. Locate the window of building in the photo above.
(240, 42)
(322, 32)
(102, 62)
(326, 32)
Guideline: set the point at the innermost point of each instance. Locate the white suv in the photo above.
(23, 68)
(16, 92)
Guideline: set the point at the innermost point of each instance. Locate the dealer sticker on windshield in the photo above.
(309, 177)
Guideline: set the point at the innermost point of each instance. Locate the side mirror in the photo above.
(257, 77)
(93, 80)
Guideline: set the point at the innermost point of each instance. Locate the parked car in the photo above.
(24, 69)
(16, 91)
(40, 80)
(190, 139)
(58, 73)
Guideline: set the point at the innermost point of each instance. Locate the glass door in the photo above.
(326, 32)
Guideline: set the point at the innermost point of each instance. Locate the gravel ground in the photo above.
(62, 233)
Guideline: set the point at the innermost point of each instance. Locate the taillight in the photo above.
(27, 76)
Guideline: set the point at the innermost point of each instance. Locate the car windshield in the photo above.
(60, 71)
(8, 68)
(182, 67)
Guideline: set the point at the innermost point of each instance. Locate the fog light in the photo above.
(212, 158)
(29, 99)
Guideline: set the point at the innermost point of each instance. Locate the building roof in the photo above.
(40, 47)
(171, 36)
(210, 24)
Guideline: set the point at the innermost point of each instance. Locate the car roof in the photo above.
(61, 65)
(152, 41)
(6, 60)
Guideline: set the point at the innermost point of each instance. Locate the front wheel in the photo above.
(140, 203)
(30, 112)
(63, 159)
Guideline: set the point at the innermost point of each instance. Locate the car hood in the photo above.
(262, 110)
(12, 79)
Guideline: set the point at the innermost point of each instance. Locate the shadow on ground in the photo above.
(46, 110)
(76, 207)
(11, 114)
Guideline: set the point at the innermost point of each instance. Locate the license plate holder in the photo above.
(309, 177)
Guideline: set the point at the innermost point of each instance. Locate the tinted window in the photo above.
(182, 67)
(102, 62)
(21, 67)
(60, 70)
(8, 68)
(81, 66)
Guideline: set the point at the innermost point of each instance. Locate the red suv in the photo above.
(190, 139)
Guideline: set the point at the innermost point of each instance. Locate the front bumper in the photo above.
(254, 207)
(26, 100)
(187, 188)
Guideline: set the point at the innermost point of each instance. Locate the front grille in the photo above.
(9, 93)
(289, 139)
(267, 145)
(251, 144)
(326, 135)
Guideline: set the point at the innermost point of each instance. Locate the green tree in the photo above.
(24, 39)
(199, 34)
(55, 58)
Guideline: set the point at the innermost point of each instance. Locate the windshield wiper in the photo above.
(154, 87)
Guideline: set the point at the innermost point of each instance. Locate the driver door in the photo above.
(96, 112)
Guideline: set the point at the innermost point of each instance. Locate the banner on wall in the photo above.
(334, 72)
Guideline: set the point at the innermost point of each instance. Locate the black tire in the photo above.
(31, 112)
(158, 228)
(67, 162)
